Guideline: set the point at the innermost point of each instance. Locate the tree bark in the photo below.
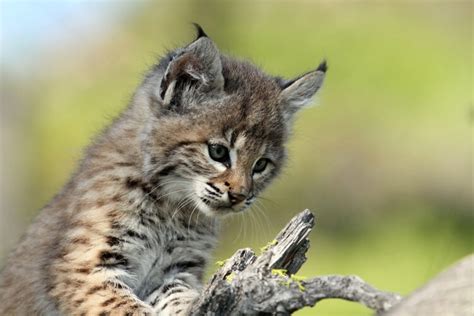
(267, 284)
(258, 285)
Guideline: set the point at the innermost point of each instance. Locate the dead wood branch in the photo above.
(266, 284)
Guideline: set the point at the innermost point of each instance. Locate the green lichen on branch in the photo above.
(267, 246)
(298, 279)
(229, 278)
(283, 273)
(280, 272)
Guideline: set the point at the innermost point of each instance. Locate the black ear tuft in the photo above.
(323, 66)
(200, 32)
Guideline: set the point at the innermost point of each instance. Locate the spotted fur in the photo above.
(132, 231)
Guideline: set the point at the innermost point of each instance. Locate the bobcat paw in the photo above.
(175, 298)
(178, 303)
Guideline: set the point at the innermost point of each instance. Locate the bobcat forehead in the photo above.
(240, 141)
(133, 229)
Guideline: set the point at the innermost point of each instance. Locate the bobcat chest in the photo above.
(161, 256)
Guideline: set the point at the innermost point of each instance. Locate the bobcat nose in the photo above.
(236, 198)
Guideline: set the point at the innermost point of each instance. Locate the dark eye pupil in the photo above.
(219, 153)
(260, 165)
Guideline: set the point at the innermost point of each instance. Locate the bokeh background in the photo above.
(384, 160)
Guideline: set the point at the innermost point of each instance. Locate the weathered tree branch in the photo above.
(267, 284)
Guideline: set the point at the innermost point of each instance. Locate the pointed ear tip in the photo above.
(199, 31)
(323, 66)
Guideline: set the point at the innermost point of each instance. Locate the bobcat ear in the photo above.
(197, 67)
(298, 93)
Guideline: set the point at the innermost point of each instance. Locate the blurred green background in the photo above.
(384, 161)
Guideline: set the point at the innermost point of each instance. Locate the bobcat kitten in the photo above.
(133, 229)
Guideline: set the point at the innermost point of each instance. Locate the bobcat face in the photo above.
(243, 167)
(219, 126)
(218, 166)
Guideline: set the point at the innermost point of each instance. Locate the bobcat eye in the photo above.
(219, 153)
(260, 165)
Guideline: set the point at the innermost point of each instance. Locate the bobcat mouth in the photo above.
(221, 207)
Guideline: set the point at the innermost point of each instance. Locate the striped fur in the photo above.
(132, 231)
